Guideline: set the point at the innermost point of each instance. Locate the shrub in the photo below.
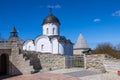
(107, 48)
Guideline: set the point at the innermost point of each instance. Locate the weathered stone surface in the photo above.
(102, 62)
(25, 62)
(95, 62)
(16, 64)
(112, 65)
(44, 60)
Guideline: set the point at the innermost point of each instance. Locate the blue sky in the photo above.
(97, 20)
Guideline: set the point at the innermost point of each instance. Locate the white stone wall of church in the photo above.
(61, 48)
(43, 45)
(55, 46)
(29, 46)
(50, 29)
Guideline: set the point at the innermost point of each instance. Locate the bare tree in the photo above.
(106, 48)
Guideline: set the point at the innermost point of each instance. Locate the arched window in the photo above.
(47, 30)
(42, 47)
(53, 31)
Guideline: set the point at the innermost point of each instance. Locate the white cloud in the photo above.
(116, 13)
(57, 6)
(96, 20)
(54, 6)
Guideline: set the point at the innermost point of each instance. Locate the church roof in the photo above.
(81, 43)
(63, 39)
(14, 36)
(14, 30)
(51, 19)
(59, 38)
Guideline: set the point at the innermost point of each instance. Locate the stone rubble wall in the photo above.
(26, 62)
(95, 62)
(18, 65)
(102, 62)
(44, 60)
(112, 65)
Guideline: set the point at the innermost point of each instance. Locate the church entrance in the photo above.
(3, 64)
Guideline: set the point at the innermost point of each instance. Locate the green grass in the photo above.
(78, 63)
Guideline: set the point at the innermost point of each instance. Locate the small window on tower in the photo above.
(47, 30)
(42, 47)
(53, 30)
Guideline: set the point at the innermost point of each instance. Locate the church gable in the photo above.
(29, 45)
(40, 37)
(43, 44)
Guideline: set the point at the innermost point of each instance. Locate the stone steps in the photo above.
(24, 65)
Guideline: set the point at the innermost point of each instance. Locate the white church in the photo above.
(50, 41)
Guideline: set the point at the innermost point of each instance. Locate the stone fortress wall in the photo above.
(102, 62)
(24, 62)
(44, 60)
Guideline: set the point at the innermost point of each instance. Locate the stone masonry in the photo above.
(109, 67)
(102, 62)
(22, 65)
(14, 63)
(24, 62)
(95, 62)
(44, 60)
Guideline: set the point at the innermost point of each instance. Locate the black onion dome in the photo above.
(51, 19)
